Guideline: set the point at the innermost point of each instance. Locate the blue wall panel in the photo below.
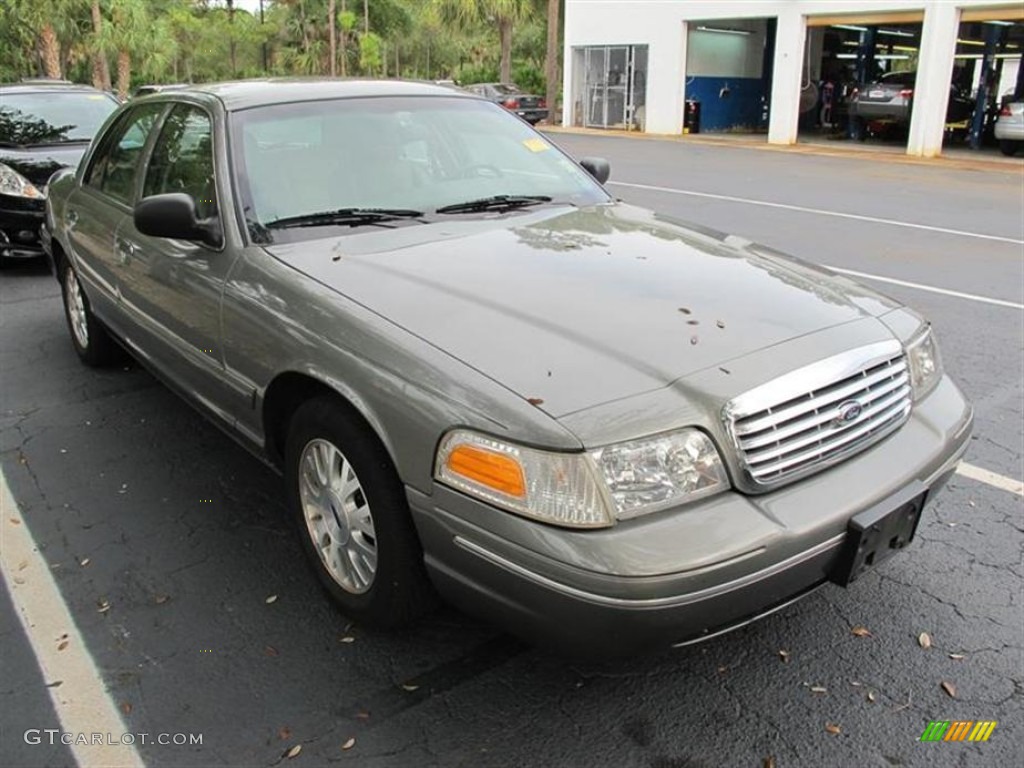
(740, 109)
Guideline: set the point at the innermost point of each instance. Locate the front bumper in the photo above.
(19, 232)
(681, 575)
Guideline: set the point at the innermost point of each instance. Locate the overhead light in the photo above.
(999, 23)
(724, 31)
(970, 42)
(850, 27)
(908, 48)
(978, 56)
(846, 55)
(891, 57)
(895, 33)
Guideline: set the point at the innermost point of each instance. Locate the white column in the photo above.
(666, 61)
(568, 97)
(787, 73)
(934, 72)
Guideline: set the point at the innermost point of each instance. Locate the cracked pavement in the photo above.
(184, 535)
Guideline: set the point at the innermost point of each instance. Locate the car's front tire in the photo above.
(1009, 147)
(93, 344)
(349, 506)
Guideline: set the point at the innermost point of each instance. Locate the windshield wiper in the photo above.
(352, 217)
(495, 203)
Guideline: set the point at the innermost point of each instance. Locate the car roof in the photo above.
(243, 94)
(41, 86)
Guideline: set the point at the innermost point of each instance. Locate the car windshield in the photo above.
(52, 117)
(416, 154)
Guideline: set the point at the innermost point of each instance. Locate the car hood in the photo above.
(39, 163)
(570, 308)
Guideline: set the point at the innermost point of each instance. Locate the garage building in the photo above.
(899, 70)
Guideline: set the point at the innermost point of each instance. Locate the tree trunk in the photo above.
(50, 50)
(551, 68)
(366, 17)
(231, 42)
(343, 46)
(505, 33)
(124, 73)
(333, 22)
(100, 65)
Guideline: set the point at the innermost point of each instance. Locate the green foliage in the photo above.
(192, 40)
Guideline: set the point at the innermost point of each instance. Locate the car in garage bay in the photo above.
(1009, 128)
(484, 378)
(45, 125)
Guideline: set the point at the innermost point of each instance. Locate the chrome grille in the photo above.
(847, 403)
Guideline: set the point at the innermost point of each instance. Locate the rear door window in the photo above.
(114, 166)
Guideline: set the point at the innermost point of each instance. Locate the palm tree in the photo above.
(504, 13)
(100, 66)
(551, 62)
(332, 23)
(127, 34)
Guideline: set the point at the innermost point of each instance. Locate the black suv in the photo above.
(45, 125)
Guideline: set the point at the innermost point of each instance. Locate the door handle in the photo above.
(71, 217)
(125, 249)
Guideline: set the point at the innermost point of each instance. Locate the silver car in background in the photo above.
(482, 376)
(1010, 127)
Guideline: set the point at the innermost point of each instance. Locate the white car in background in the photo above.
(1010, 127)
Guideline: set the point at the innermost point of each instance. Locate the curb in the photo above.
(848, 152)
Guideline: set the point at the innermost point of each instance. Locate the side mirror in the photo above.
(174, 216)
(597, 167)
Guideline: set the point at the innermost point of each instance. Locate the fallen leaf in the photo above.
(855, 683)
(62, 645)
(819, 689)
(720, 324)
(860, 631)
(956, 656)
(271, 599)
(161, 599)
(55, 684)
(833, 728)
(84, 561)
(784, 655)
(23, 565)
(270, 651)
(284, 732)
(410, 688)
(535, 400)
(18, 580)
(350, 743)
(347, 639)
(103, 606)
(949, 688)
(293, 752)
(126, 707)
(694, 339)
(970, 503)
(362, 715)
(693, 322)
(684, 310)
(15, 521)
(871, 696)
(924, 640)
(723, 669)
(768, 762)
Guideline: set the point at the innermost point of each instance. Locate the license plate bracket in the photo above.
(874, 535)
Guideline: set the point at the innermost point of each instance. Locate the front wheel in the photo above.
(351, 513)
(93, 344)
(1008, 147)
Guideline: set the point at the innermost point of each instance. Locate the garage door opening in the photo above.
(610, 87)
(728, 75)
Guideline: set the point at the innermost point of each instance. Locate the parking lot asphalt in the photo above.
(187, 588)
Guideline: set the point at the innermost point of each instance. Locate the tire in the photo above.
(93, 344)
(1009, 147)
(351, 514)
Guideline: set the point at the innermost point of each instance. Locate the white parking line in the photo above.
(1001, 482)
(80, 701)
(821, 212)
(929, 288)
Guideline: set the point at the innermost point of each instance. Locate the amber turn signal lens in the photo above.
(493, 470)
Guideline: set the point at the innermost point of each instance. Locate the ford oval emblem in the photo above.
(848, 411)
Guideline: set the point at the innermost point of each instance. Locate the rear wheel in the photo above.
(93, 344)
(351, 513)
(1009, 147)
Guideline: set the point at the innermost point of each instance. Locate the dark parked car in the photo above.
(890, 99)
(146, 90)
(45, 125)
(479, 373)
(530, 107)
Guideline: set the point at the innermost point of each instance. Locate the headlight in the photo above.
(582, 490)
(924, 362)
(14, 184)
(647, 475)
